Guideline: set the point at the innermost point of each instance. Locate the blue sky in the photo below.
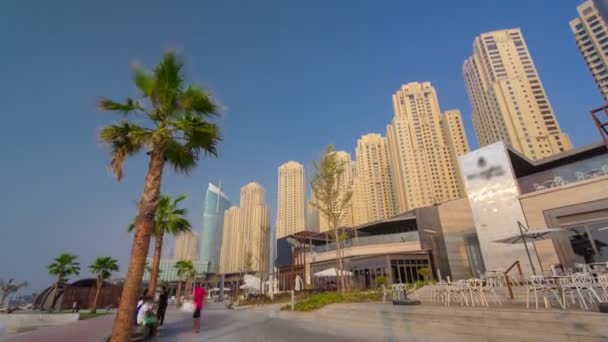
(293, 76)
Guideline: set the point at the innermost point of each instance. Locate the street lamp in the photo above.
(433, 234)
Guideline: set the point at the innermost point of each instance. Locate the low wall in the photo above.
(19, 321)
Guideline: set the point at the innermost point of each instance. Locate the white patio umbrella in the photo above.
(525, 235)
(331, 272)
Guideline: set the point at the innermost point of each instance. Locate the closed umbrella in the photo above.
(525, 235)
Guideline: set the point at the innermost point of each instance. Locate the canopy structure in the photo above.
(526, 235)
(251, 283)
(331, 272)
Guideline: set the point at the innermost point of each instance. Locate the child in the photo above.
(145, 314)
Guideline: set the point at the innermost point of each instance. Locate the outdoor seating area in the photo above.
(578, 176)
(581, 289)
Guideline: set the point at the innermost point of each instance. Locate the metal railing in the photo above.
(368, 240)
(508, 279)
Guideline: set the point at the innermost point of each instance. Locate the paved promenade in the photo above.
(218, 324)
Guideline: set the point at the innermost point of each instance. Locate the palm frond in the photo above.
(182, 158)
(168, 81)
(196, 100)
(127, 107)
(199, 134)
(144, 81)
(103, 267)
(125, 140)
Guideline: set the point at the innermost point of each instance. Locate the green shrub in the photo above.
(425, 272)
(380, 280)
(319, 300)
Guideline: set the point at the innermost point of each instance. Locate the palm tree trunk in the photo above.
(53, 297)
(3, 298)
(124, 321)
(179, 291)
(158, 246)
(98, 290)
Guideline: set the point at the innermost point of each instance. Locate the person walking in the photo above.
(163, 302)
(199, 296)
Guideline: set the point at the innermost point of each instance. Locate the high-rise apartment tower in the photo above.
(291, 216)
(508, 99)
(591, 33)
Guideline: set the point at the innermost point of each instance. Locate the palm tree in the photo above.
(184, 268)
(102, 268)
(9, 287)
(169, 219)
(65, 265)
(174, 128)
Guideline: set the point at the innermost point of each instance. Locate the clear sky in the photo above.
(293, 76)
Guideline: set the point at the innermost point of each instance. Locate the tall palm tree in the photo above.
(9, 287)
(102, 268)
(173, 127)
(184, 268)
(169, 219)
(64, 266)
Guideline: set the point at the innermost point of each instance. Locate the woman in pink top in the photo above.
(199, 296)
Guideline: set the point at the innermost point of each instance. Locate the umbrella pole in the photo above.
(540, 264)
(521, 232)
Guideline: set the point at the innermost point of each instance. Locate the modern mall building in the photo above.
(458, 238)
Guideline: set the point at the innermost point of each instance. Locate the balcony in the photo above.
(369, 241)
(563, 175)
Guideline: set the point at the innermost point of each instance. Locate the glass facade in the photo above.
(590, 242)
(396, 268)
(212, 228)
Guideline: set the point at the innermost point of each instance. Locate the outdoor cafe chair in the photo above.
(601, 284)
(584, 283)
(458, 292)
(475, 287)
(541, 287)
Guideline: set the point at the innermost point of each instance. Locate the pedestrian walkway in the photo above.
(88, 330)
(385, 322)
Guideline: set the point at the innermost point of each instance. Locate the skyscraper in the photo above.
(591, 33)
(345, 186)
(422, 166)
(231, 251)
(508, 99)
(216, 202)
(312, 217)
(245, 245)
(291, 215)
(185, 245)
(456, 138)
(376, 196)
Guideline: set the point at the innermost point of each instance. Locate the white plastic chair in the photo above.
(541, 287)
(601, 284)
(585, 288)
(475, 287)
(559, 181)
(580, 176)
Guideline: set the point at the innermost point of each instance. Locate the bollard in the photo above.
(293, 300)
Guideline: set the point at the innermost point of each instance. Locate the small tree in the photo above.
(380, 280)
(102, 268)
(9, 287)
(64, 266)
(425, 272)
(332, 200)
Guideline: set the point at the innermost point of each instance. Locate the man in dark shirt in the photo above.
(163, 301)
